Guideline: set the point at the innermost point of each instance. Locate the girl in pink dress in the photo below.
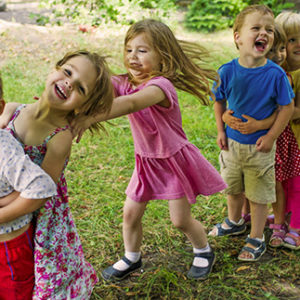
(80, 84)
(167, 165)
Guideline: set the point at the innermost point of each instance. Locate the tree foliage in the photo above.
(95, 12)
(211, 15)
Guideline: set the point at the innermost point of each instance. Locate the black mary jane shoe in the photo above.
(110, 273)
(202, 273)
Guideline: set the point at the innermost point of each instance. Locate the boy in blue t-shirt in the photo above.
(254, 86)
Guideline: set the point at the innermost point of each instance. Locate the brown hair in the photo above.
(240, 18)
(290, 22)
(101, 96)
(181, 61)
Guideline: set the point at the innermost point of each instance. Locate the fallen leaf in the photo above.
(243, 268)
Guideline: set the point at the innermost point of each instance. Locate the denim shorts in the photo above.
(245, 170)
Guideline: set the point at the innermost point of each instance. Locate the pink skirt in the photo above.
(186, 173)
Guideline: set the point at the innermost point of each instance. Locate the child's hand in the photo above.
(230, 120)
(265, 143)
(79, 125)
(251, 126)
(222, 140)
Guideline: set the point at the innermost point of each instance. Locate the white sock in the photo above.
(200, 261)
(132, 256)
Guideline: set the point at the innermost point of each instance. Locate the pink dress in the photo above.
(61, 271)
(167, 165)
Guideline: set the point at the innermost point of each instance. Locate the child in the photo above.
(291, 24)
(24, 187)
(286, 156)
(167, 165)
(79, 85)
(19, 173)
(247, 160)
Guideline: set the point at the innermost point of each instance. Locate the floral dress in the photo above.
(61, 271)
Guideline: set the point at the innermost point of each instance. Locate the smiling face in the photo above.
(140, 58)
(277, 54)
(293, 51)
(69, 86)
(255, 37)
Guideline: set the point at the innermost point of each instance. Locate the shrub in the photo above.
(212, 15)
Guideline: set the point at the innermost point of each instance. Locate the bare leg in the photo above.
(278, 227)
(246, 207)
(132, 224)
(279, 205)
(180, 214)
(258, 219)
(234, 204)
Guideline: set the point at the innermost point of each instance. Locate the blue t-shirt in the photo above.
(255, 92)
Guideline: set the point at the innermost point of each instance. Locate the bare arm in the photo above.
(123, 105)
(251, 125)
(219, 108)
(265, 143)
(296, 114)
(19, 207)
(8, 112)
(9, 198)
(58, 149)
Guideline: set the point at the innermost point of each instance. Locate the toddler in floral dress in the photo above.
(80, 84)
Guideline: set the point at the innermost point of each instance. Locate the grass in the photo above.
(101, 166)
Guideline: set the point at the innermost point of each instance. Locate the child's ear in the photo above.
(236, 37)
(2, 104)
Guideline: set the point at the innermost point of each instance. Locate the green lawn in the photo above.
(101, 166)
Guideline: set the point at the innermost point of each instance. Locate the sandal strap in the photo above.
(278, 227)
(293, 235)
(254, 242)
(230, 224)
(127, 261)
(278, 234)
(205, 254)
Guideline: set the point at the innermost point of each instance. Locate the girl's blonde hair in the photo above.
(240, 18)
(279, 36)
(290, 22)
(181, 61)
(101, 96)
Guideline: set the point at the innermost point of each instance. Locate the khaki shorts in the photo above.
(246, 170)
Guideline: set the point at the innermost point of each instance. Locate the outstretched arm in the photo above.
(219, 108)
(121, 106)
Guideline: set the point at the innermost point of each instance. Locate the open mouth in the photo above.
(60, 93)
(260, 45)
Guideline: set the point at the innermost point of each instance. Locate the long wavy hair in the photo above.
(182, 62)
(101, 96)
